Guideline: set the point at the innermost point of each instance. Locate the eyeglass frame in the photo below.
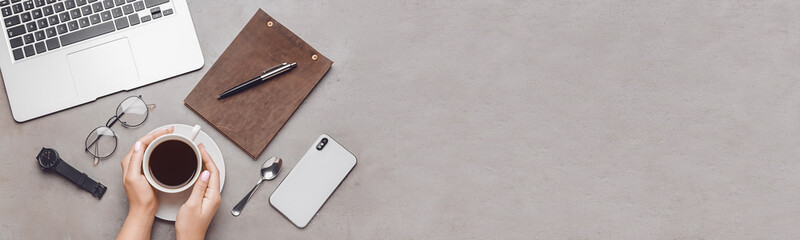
(110, 123)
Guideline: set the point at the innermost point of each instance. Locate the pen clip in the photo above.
(273, 68)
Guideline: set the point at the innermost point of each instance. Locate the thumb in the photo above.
(200, 188)
(135, 163)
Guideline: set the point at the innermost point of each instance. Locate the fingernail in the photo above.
(171, 128)
(202, 146)
(204, 176)
(137, 146)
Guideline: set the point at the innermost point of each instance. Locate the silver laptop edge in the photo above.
(122, 60)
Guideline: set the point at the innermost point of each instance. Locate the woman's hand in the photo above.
(195, 215)
(142, 201)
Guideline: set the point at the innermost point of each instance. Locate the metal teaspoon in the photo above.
(269, 171)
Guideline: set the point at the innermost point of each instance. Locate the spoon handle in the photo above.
(239, 206)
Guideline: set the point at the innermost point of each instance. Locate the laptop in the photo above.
(56, 54)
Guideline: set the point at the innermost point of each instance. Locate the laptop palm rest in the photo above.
(103, 69)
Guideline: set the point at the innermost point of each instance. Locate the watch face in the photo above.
(47, 158)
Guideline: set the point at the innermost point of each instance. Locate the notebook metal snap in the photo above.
(269, 24)
(314, 57)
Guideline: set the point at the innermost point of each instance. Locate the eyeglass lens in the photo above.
(132, 112)
(101, 142)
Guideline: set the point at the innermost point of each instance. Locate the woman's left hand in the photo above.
(141, 196)
(142, 201)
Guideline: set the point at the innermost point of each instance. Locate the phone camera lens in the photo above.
(322, 144)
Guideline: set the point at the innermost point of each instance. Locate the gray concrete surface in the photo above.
(485, 119)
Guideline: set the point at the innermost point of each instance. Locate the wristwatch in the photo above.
(50, 161)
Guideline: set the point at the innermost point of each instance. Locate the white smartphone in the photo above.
(306, 188)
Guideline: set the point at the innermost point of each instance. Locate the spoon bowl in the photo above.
(271, 168)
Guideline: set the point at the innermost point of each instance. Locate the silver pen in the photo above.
(266, 75)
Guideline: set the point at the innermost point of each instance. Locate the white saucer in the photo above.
(170, 203)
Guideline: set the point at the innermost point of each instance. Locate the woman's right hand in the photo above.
(195, 215)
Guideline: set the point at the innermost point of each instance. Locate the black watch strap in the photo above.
(81, 179)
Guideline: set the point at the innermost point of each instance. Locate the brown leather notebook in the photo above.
(253, 117)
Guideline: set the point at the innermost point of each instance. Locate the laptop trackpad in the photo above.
(103, 69)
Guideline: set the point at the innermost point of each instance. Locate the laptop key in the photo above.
(116, 12)
(72, 26)
(11, 21)
(39, 35)
(134, 19)
(87, 33)
(48, 10)
(108, 4)
(86, 10)
(106, 15)
(167, 12)
(97, 7)
(28, 5)
(84, 22)
(15, 1)
(5, 3)
(81, 2)
(39, 3)
(53, 20)
(7, 11)
(95, 19)
(52, 43)
(138, 6)
(61, 29)
(51, 32)
(37, 13)
(64, 16)
(121, 23)
(41, 23)
(119, 2)
(127, 9)
(70, 4)
(28, 38)
(16, 31)
(152, 3)
(17, 8)
(18, 54)
(31, 26)
(29, 51)
(25, 17)
(16, 42)
(59, 7)
(75, 13)
(156, 12)
(40, 47)
(146, 18)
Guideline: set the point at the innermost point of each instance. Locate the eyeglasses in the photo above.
(131, 113)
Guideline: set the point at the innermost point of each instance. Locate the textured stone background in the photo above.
(484, 119)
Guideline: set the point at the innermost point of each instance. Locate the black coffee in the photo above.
(173, 163)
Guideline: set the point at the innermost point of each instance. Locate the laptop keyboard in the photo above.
(37, 26)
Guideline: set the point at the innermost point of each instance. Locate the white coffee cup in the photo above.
(189, 140)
